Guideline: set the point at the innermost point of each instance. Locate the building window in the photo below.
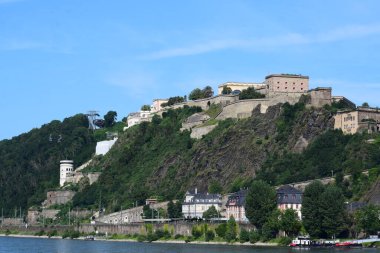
(286, 88)
(301, 88)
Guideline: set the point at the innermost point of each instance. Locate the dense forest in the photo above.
(29, 163)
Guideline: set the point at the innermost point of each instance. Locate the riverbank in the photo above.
(258, 244)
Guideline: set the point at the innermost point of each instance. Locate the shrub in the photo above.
(178, 236)
(189, 239)
(244, 236)
(40, 233)
(141, 238)
(285, 241)
(221, 230)
(52, 233)
(209, 235)
(197, 231)
(254, 236)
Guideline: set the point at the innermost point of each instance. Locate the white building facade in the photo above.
(196, 204)
(66, 169)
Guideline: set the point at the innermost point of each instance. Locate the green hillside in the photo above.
(29, 163)
(157, 159)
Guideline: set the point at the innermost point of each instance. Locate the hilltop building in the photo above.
(157, 104)
(235, 206)
(287, 83)
(239, 86)
(358, 120)
(196, 204)
(289, 197)
(136, 118)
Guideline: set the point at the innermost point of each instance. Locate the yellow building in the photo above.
(287, 83)
(361, 119)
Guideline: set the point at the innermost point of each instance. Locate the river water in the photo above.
(36, 245)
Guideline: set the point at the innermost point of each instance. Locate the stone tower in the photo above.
(66, 170)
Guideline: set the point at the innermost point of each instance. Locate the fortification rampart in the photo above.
(180, 227)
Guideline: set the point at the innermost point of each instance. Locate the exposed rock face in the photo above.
(199, 132)
(243, 148)
(373, 195)
(195, 120)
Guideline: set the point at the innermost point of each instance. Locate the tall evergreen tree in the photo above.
(260, 203)
(333, 211)
(311, 209)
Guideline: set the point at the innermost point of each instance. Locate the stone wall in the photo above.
(199, 132)
(320, 97)
(129, 215)
(180, 227)
(58, 197)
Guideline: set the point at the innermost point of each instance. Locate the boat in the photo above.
(348, 244)
(301, 241)
(89, 238)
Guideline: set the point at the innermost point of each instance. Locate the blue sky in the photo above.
(59, 58)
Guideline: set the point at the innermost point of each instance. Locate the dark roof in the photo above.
(287, 189)
(237, 198)
(288, 195)
(204, 197)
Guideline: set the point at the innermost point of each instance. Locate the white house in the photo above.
(196, 204)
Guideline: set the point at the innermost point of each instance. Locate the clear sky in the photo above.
(59, 58)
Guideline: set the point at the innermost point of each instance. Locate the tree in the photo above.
(226, 90)
(368, 219)
(215, 187)
(196, 94)
(210, 213)
(333, 211)
(110, 118)
(207, 92)
(221, 230)
(271, 226)
(231, 230)
(145, 108)
(174, 209)
(250, 93)
(290, 223)
(311, 209)
(260, 203)
(365, 104)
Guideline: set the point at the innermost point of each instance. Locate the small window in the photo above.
(301, 88)
(286, 88)
(286, 82)
(301, 83)
(278, 82)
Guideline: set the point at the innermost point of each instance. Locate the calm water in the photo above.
(32, 245)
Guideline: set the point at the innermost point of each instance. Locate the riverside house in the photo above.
(196, 204)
